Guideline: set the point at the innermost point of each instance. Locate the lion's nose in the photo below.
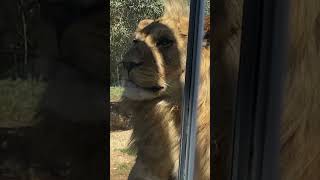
(130, 65)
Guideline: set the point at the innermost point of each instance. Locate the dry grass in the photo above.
(121, 158)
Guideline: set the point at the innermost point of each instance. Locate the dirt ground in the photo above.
(121, 158)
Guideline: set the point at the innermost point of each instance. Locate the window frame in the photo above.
(190, 98)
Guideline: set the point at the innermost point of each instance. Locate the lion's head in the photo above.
(154, 65)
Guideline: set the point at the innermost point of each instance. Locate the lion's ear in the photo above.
(206, 38)
(145, 22)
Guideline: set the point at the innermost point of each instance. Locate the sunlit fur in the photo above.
(157, 115)
(300, 127)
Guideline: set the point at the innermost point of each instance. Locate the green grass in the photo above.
(128, 151)
(19, 101)
(115, 93)
(123, 168)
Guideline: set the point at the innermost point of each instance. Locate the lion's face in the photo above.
(154, 64)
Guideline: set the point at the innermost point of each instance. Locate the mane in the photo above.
(176, 8)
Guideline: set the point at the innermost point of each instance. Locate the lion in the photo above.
(153, 81)
(300, 121)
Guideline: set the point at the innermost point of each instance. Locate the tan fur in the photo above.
(156, 132)
(300, 130)
(300, 138)
(176, 8)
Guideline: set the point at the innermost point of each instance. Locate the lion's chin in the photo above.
(134, 92)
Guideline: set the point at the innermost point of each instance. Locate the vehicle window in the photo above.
(148, 74)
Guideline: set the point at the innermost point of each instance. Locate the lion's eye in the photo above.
(164, 42)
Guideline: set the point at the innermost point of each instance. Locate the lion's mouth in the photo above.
(154, 89)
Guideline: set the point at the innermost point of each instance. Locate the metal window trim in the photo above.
(189, 103)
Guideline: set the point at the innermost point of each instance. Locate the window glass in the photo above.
(148, 59)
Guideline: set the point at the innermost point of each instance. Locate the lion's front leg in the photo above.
(150, 170)
(140, 171)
